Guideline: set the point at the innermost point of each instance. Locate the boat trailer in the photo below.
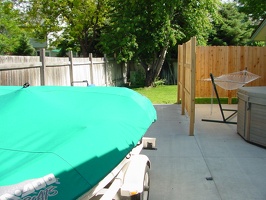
(130, 180)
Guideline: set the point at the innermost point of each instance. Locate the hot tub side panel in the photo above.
(251, 118)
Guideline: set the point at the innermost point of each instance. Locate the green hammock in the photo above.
(57, 142)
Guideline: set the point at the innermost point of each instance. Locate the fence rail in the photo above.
(42, 70)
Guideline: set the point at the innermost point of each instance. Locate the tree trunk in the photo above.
(149, 78)
(153, 71)
(83, 48)
(84, 44)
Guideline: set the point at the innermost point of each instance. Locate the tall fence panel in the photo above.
(186, 80)
(82, 70)
(220, 60)
(56, 71)
(17, 70)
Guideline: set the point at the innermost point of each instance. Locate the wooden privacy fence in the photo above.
(195, 63)
(220, 60)
(186, 80)
(61, 71)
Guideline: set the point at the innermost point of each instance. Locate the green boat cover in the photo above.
(58, 142)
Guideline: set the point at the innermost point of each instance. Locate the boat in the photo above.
(58, 142)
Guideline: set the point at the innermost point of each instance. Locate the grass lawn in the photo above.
(164, 94)
(167, 94)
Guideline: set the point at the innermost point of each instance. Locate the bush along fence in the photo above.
(61, 71)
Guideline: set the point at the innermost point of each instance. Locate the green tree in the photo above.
(9, 28)
(234, 28)
(24, 47)
(76, 19)
(256, 9)
(65, 44)
(144, 30)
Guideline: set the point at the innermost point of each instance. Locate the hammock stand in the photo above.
(230, 82)
(225, 120)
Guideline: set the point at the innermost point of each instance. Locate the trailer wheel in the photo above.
(146, 187)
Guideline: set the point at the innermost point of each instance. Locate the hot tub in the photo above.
(251, 115)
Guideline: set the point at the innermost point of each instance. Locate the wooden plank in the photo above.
(58, 64)
(42, 69)
(200, 72)
(183, 80)
(91, 69)
(209, 63)
(12, 66)
(179, 63)
(193, 86)
(71, 67)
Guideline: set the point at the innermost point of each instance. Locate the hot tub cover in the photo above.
(57, 142)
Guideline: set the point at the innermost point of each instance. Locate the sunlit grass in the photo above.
(167, 94)
(164, 94)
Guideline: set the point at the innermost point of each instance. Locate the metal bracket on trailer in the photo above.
(149, 143)
(134, 176)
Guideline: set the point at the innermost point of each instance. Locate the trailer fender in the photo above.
(134, 176)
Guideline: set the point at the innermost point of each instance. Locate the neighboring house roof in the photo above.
(38, 44)
(260, 33)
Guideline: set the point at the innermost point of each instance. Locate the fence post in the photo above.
(179, 62)
(192, 86)
(105, 69)
(184, 49)
(91, 69)
(42, 68)
(71, 67)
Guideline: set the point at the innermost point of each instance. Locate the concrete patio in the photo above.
(182, 164)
